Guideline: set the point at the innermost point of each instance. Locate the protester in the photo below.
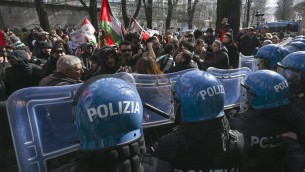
(233, 53)
(21, 74)
(69, 70)
(220, 55)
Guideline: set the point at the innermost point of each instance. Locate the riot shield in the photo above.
(231, 79)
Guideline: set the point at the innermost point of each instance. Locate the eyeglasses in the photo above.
(126, 50)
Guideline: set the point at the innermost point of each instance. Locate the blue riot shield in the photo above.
(231, 80)
(40, 121)
(249, 62)
(155, 90)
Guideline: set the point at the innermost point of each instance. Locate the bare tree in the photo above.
(42, 15)
(284, 10)
(148, 12)
(190, 12)
(170, 7)
(92, 11)
(125, 16)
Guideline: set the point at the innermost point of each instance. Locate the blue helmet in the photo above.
(295, 46)
(269, 55)
(300, 40)
(266, 89)
(200, 96)
(299, 36)
(292, 68)
(107, 112)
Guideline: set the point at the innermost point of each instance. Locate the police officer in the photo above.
(203, 140)
(262, 124)
(292, 68)
(269, 55)
(108, 116)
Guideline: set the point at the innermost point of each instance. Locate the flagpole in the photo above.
(130, 23)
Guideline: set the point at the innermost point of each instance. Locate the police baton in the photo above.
(156, 110)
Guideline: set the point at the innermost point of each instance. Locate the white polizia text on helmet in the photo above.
(281, 86)
(211, 91)
(104, 110)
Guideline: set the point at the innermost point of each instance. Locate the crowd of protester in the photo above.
(49, 59)
(37, 54)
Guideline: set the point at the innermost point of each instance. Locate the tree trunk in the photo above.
(42, 15)
(148, 12)
(125, 15)
(190, 12)
(224, 10)
(169, 15)
(93, 14)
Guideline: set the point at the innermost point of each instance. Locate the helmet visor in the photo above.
(250, 94)
(293, 78)
(292, 48)
(262, 63)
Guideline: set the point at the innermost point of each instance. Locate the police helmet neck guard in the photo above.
(270, 54)
(200, 96)
(108, 112)
(292, 68)
(266, 89)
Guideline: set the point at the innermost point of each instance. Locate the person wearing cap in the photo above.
(248, 42)
(57, 52)
(43, 37)
(69, 70)
(21, 74)
(45, 52)
(264, 34)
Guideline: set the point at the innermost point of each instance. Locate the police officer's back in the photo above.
(262, 124)
(203, 140)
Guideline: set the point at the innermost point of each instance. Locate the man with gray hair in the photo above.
(68, 71)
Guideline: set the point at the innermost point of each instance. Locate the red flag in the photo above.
(110, 24)
(87, 27)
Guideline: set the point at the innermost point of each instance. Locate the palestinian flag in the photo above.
(110, 25)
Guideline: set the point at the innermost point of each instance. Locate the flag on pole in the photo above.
(87, 27)
(110, 24)
(136, 27)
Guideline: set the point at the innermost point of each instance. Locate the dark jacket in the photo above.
(23, 74)
(199, 146)
(294, 155)
(221, 60)
(262, 130)
(233, 54)
(57, 79)
(248, 44)
(49, 66)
